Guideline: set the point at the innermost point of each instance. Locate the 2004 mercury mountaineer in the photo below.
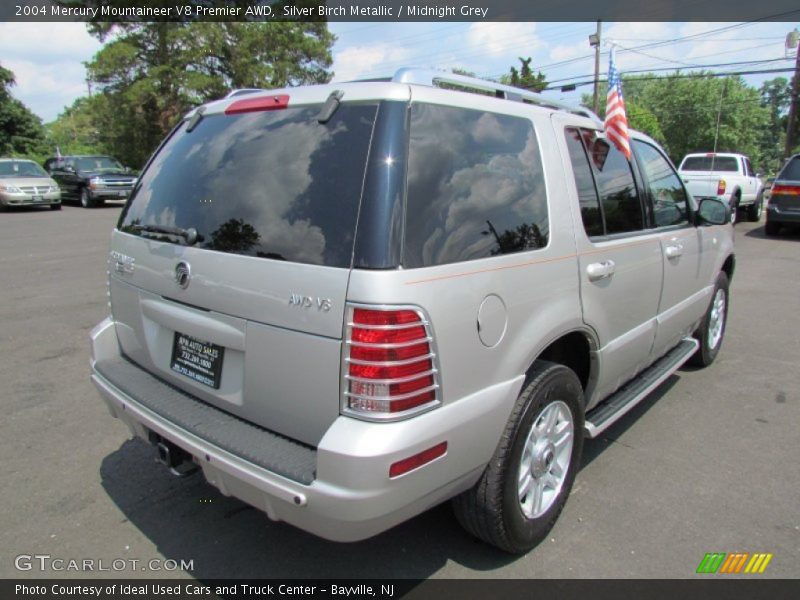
(347, 304)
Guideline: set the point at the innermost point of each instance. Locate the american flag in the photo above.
(616, 122)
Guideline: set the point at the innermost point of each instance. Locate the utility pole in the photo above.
(594, 40)
(792, 42)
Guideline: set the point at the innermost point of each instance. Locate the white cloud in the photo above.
(358, 62)
(46, 59)
(503, 38)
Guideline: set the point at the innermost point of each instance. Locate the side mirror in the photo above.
(713, 212)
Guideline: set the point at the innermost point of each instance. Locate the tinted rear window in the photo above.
(271, 184)
(710, 163)
(475, 186)
(791, 171)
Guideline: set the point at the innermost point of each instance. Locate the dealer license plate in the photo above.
(197, 360)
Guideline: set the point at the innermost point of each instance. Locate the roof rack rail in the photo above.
(431, 78)
(242, 92)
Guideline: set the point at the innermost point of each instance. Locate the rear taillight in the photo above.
(785, 190)
(721, 185)
(389, 363)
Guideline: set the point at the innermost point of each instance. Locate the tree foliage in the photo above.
(150, 74)
(21, 131)
(524, 77)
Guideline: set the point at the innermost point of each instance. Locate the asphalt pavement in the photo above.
(708, 463)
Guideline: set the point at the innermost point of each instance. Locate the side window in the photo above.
(748, 168)
(584, 181)
(475, 186)
(620, 206)
(670, 205)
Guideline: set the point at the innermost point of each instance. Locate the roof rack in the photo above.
(432, 78)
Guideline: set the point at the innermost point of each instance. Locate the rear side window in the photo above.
(274, 184)
(710, 163)
(791, 170)
(620, 204)
(475, 186)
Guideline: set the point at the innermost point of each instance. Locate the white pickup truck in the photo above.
(725, 176)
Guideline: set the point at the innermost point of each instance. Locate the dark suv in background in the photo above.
(91, 180)
(784, 200)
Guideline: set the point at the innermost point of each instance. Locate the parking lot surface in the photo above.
(708, 463)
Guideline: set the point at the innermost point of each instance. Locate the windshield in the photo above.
(21, 168)
(710, 163)
(275, 184)
(97, 163)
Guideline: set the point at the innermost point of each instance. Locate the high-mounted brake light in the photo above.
(258, 104)
(785, 190)
(721, 185)
(389, 363)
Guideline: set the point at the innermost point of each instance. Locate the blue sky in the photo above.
(47, 58)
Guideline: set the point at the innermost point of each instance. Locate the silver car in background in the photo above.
(25, 183)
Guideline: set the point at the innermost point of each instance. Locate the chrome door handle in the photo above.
(601, 270)
(674, 250)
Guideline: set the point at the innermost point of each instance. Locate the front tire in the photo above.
(86, 199)
(55, 206)
(517, 500)
(712, 328)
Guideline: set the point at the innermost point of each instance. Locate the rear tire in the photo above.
(771, 228)
(754, 210)
(712, 328)
(517, 500)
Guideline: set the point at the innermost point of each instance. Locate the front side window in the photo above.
(475, 186)
(276, 184)
(670, 205)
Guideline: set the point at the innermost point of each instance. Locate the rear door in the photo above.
(231, 261)
(620, 266)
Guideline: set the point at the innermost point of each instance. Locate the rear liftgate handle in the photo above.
(601, 270)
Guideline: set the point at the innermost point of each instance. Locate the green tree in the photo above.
(74, 131)
(694, 111)
(524, 77)
(775, 95)
(149, 74)
(21, 131)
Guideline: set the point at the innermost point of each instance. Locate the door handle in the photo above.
(674, 250)
(601, 270)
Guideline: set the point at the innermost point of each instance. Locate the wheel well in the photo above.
(729, 266)
(571, 350)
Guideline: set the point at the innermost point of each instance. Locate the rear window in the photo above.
(274, 184)
(791, 170)
(710, 163)
(475, 186)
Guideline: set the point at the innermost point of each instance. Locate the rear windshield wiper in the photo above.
(190, 235)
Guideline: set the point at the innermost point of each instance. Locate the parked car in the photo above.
(91, 180)
(25, 183)
(349, 303)
(726, 176)
(784, 201)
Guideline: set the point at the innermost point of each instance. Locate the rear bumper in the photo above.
(777, 215)
(349, 495)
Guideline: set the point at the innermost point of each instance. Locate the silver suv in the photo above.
(347, 304)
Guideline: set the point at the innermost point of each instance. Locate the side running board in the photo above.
(620, 402)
